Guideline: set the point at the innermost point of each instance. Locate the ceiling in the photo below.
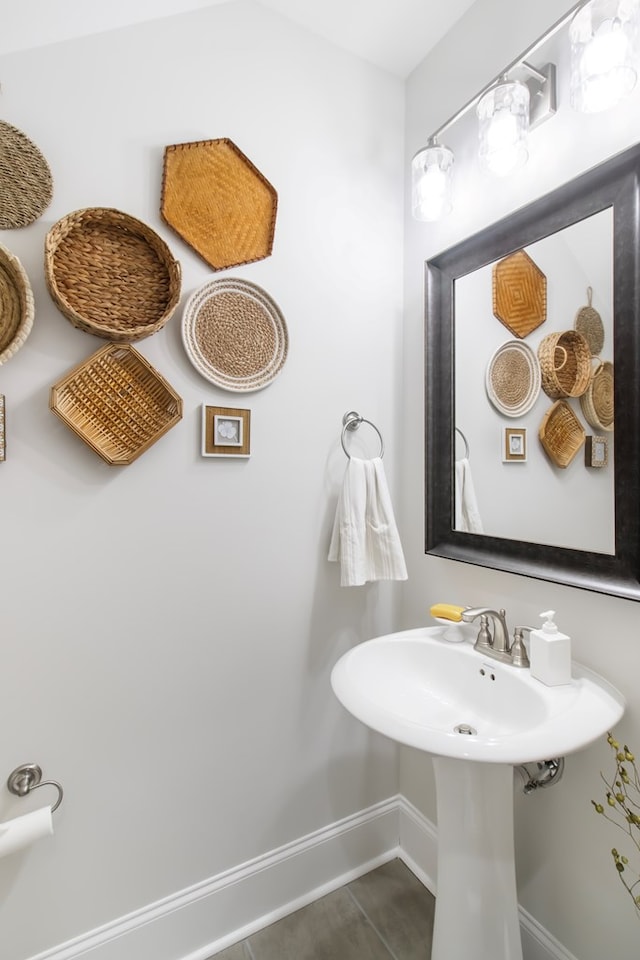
(393, 34)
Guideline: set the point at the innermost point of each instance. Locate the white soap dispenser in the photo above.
(550, 653)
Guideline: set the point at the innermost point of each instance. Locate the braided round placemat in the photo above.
(513, 378)
(26, 185)
(588, 322)
(235, 334)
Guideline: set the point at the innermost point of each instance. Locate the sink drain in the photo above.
(465, 728)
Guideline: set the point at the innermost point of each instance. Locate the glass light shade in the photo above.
(604, 53)
(431, 181)
(503, 114)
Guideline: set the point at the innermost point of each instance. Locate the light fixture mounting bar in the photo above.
(518, 62)
(542, 95)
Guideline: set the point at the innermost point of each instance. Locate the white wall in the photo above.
(565, 873)
(169, 627)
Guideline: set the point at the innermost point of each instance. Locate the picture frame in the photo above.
(596, 451)
(226, 432)
(514, 445)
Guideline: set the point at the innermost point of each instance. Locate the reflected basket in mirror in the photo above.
(565, 364)
(561, 434)
(597, 401)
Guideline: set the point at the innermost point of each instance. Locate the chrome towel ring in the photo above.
(352, 421)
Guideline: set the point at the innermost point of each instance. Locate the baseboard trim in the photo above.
(198, 922)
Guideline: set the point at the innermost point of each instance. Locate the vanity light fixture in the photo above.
(521, 97)
(431, 177)
(503, 116)
(604, 53)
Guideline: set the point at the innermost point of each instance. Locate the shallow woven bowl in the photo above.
(561, 434)
(17, 308)
(117, 403)
(111, 275)
(565, 364)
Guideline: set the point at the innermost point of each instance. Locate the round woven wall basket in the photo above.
(513, 378)
(111, 275)
(597, 401)
(16, 305)
(26, 184)
(235, 334)
(565, 364)
(589, 323)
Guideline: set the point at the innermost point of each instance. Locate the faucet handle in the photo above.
(519, 657)
(484, 640)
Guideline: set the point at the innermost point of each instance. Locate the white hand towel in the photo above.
(468, 518)
(365, 537)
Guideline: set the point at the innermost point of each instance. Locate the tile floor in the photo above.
(385, 915)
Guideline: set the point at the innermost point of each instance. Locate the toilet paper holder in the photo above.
(28, 777)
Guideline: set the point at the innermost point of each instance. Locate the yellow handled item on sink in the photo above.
(447, 611)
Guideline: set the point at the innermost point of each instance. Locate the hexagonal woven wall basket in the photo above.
(519, 294)
(218, 202)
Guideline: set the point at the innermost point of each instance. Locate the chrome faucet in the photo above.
(495, 642)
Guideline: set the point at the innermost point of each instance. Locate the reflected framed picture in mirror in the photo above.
(514, 445)
(596, 451)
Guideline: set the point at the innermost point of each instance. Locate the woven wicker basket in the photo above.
(111, 275)
(117, 403)
(597, 402)
(16, 305)
(561, 434)
(565, 364)
(26, 184)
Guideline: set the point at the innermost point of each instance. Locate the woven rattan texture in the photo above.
(235, 334)
(111, 275)
(513, 378)
(26, 184)
(561, 434)
(589, 324)
(519, 294)
(17, 308)
(597, 402)
(218, 202)
(565, 364)
(117, 403)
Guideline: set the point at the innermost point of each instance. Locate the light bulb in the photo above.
(604, 52)
(503, 113)
(431, 175)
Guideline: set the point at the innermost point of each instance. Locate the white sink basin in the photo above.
(417, 688)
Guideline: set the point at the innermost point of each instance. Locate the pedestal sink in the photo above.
(477, 718)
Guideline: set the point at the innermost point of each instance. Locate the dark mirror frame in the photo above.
(613, 183)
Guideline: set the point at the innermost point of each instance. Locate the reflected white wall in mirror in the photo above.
(536, 501)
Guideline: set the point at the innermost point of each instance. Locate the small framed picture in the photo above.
(514, 445)
(596, 452)
(226, 432)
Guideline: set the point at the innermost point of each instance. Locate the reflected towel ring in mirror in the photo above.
(352, 421)
(464, 440)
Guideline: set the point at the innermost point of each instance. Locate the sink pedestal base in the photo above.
(476, 915)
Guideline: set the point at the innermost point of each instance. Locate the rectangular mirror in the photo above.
(502, 309)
